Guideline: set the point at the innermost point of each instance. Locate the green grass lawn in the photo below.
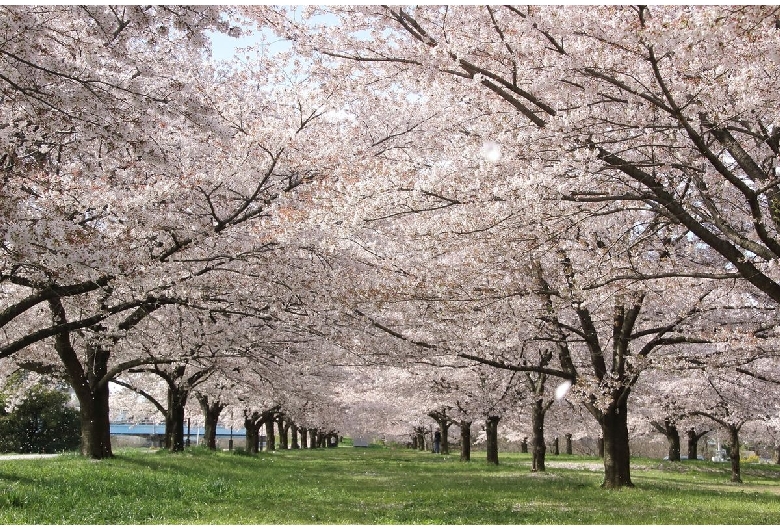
(373, 486)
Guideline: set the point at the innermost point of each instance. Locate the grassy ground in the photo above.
(374, 486)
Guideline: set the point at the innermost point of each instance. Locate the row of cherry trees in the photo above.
(539, 180)
(411, 210)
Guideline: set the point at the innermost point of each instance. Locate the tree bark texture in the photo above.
(90, 385)
(538, 448)
(617, 457)
(465, 441)
(669, 429)
(270, 436)
(491, 429)
(736, 475)
(304, 438)
(211, 412)
(174, 418)
(693, 443)
(284, 429)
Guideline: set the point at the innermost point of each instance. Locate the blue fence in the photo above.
(143, 429)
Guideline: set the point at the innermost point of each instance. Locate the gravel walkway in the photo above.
(26, 457)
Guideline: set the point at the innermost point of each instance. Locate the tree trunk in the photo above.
(444, 428)
(673, 438)
(304, 438)
(211, 412)
(294, 436)
(174, 419)
(312, 438)
(568, 444)
(524, 445)
(284, 429)
(270, 437)
(693, 443)
(600, 446)
(538, 448)
(734, 454)
(252, 426)
(90, 386)
(465, 441)
(491, 429)
(617, 457)
(420, 438)
(95, 424)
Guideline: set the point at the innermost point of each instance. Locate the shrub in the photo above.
(41, 423)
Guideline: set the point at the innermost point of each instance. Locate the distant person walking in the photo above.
(436, 441)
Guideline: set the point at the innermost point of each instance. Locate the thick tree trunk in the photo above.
(617, 457)
(252, 427)
(304, 438)
(211, 412)
(312, 438)
(444, 428)
(673, 438)
(270, 437)
(294, 436)
(420, 434)
(734, 454)
(568, 444)
(491, 429)
(465, 441)
(174, 419)
(524, 445)
(669, 429)
(284, 429)
(600, 446)
(538, 448)
(91, 388)
(693, 443)
(95, 423)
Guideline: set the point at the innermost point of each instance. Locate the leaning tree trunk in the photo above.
(90, 385)
(538, 448)
(465, 441)
(734, 454)
(617, 457)
(491, 429)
